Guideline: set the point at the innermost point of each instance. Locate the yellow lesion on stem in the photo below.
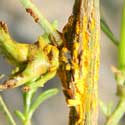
(80, 87)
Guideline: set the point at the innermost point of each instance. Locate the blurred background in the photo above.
(22, 28)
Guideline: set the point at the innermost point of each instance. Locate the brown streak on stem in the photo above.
(4, 26)
(30, 11)
(10, 83)
(26, 89)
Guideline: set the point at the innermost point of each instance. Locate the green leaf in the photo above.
(106, 109)
(55, 24)
(109, 107)
(5, 110)
(105, 28)
(20, 115)
(103, 107)
(121, 52)
(41, 98)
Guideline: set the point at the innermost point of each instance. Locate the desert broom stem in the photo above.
(80, 75)
(27, 97)
(119, 111)
(4, 108)
(122, 41)
(105, 28)
(41, 98)
(31, 106)
(41, 20)
(37, 15)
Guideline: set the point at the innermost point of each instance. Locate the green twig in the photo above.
(8, 114)
(20, 115)
(41, 20)
(119, 111)
(41, 98)
(122, 41)
(30, 107)
(27, 97)
(38, 17)
(105, 28)
(117, 114)
(106, 109)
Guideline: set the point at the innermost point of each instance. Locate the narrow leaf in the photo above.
(103, 107)
(110, 107)
(4, 108)
(41, 98)
(121, 52)
(20, 115)
(105, 28)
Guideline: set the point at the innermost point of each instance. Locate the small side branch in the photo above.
(41, 20)
(117, 114)
(37, 16)
(4, 108)
(121, 51)
(105, 28)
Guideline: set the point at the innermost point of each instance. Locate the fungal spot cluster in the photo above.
(30, 11)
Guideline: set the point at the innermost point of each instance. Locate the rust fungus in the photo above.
(30, 11)
(26, 88)
(4, 26)
(81, 35)
(10, 83)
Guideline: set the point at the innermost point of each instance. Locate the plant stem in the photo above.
(105, 28)
(27, 99)
(80, 79)
(115, 117)
(8, 114)
(41, 98)
(117, 114)
(27, 96)
(122, 41)
(27, 122)
(41, 20)
(36, 14)
(10, 48)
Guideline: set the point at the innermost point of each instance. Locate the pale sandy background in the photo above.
(22, 27)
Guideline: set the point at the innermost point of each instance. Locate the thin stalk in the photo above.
(41, 20)
(20, 115)
(27, 103)
(37, 15)
(122, 41)
(27, 122)
(105, 28)
(41, 98)
(8, 114)
(27, 96)
(30, 107)
(117, 114)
